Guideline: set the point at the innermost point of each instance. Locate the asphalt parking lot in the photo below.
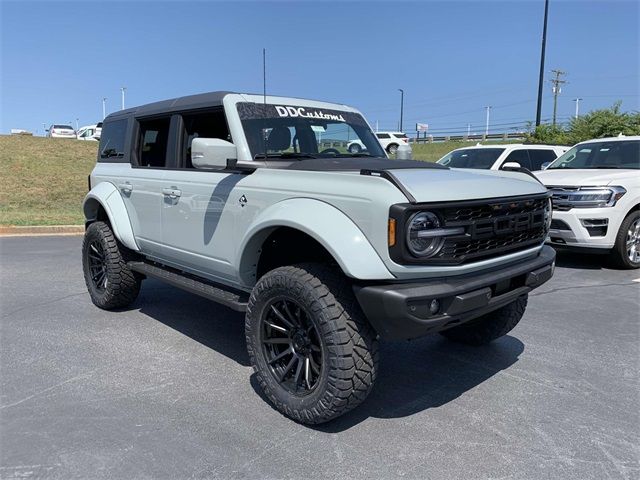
(164, 390)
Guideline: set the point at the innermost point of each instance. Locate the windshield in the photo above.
(279, 131)
(482, 158)
(605, 155)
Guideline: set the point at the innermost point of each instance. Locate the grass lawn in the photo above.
(43, 179)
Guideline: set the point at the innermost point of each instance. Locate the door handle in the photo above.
(172, 192)
(125, 187)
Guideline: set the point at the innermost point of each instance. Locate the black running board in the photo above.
(221, 294)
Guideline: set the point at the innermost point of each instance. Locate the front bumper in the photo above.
(402, 310)
(573, 232)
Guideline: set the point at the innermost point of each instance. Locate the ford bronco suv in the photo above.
(255, 202)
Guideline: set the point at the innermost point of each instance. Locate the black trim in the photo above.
(401, 310)
(387, 175)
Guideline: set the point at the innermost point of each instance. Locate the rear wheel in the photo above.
(354, 148)
(110, 282)
(392, 149)
(489, 327)
(314, 353)
(626, 251)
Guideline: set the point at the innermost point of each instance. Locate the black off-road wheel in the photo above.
(626, 251)
(314, 354)
(489, 327)
(110, 282)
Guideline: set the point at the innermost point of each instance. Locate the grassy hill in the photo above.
(45, 179)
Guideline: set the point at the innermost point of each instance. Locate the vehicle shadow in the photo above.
(207, 322)
(413, 376)
(582, 261)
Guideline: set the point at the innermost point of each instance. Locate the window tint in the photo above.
(400, 135)
(112, 139)
(210, 124)
(520, 156)
(538, 157)
(153, 138)
(383, 135)
(482, 158)
(65, 127)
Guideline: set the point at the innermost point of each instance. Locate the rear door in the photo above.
(520, 156)
(539, 156)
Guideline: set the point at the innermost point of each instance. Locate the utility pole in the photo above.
(577, 100)
(77, 124)
(122, 90)
(104, 107)
(556, 82)
(486, 128)
(541, 79)
(401, 106)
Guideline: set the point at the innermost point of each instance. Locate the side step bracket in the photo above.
(234, 299)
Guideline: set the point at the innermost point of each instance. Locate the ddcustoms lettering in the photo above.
(304, 113)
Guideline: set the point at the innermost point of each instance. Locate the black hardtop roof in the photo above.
(200, 100)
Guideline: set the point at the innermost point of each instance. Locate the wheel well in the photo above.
(288, 246)
(95, 212)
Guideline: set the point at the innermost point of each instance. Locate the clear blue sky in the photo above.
(451, 58)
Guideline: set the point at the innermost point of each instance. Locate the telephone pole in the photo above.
(401, 106)
(556, 82)
(486, 125)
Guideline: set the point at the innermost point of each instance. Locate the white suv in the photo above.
(494, 157)
(390, 141)
(596, 198)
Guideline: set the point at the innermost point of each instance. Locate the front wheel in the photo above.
(354, 148)
(626, 251)
(314, 354)
(489, 327)
(392, 149)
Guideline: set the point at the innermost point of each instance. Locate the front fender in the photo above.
(107, 196)
(336, 232)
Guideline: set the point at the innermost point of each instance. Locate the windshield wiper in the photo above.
(283, 155)
(359, 154)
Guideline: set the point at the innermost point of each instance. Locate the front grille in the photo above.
(495, 228)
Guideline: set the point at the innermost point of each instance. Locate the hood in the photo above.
(428, 185)
(584, 178)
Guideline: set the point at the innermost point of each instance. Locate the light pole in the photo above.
(104, 107)
(77, 124)
(541, 79)
(122, 90)
(44, 129)
(486, 127)
(577, 100)
(401, 106)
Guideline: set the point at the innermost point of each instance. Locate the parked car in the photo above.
(61, 131)
(390, 141)
(596, 198)
(232, 197)
(494, 157)
(88, 132)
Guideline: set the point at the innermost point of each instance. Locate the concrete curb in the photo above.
(11, 231)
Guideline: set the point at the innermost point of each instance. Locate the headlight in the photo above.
(424, 235)
(565, 198)
(548, 215)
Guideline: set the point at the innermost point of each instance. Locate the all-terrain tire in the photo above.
(489, 327)
(348, 342)
(620, 255)
(114, 285)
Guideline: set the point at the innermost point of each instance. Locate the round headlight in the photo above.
(419, 242)
(548, 215)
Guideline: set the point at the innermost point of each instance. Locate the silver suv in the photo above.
(256, 203)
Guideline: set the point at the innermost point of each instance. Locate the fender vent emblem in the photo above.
(242, 201)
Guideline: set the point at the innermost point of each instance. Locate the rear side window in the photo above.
(538, 157)
(383, 135)
(520, 156)
(400, 135)
(152, 142)
(112, 140)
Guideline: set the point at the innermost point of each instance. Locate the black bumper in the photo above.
(402, 310)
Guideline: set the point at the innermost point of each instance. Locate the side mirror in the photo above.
(508, 165)
(212, 153)
(545, 165)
